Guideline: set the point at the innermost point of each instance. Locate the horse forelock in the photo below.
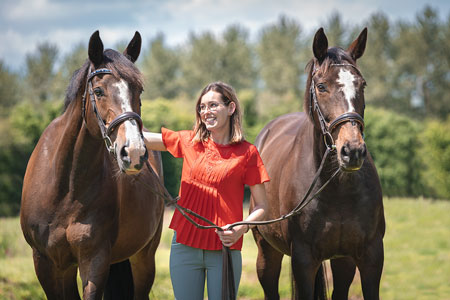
(123, 68)
(120, 66)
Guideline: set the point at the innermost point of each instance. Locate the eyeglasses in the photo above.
(211, 106)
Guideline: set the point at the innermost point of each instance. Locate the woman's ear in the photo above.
(231, 108)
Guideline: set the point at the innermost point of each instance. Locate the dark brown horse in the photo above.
(82, 203)
(345, 222)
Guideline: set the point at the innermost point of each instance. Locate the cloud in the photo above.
(66, 23)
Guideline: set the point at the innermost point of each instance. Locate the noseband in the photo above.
(106, 131)
(326, 128)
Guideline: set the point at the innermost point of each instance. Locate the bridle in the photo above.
(106, 131)
(326, 128)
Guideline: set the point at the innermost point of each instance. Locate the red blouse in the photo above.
(212, 185)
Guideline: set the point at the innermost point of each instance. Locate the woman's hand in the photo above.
(231, 236)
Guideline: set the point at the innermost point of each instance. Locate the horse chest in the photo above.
(333, 233)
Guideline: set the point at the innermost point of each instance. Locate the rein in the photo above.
(106, 131)
(228, 288)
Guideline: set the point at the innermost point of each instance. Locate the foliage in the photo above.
(174, 115)
(26, 123)
(279, 50)
(9, 89)
(406, 66)
(206, 59)
(70, 63)
(393, 141)
(160, 66)
(40, 72)
(435, 153)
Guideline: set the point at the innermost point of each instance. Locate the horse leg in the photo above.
(143, 266)
(268, 266)
(57, 284)
(94, 271)
(304, 270)
(370, 267)
(343, 273)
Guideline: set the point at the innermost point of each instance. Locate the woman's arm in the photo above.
(153, 141)
(229, 237)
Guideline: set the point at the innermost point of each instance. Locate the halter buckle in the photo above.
(329, 141)
(109, 144)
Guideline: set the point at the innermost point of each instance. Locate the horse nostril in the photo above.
(124, 154)
(345, 153)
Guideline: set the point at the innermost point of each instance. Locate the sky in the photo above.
(67, 23)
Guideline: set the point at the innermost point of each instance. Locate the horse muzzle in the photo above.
(351, 156)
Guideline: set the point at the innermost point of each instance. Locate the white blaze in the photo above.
(346, 79)
(131, 131)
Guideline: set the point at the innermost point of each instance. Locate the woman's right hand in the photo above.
(230, 236)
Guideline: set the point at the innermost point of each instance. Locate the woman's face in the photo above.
(214, 113)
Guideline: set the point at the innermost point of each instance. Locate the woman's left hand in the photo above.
(231, 236)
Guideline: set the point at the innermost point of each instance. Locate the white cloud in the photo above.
(67, 23)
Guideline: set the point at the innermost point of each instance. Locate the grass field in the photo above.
(417, 258)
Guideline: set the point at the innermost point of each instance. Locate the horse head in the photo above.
(112, 106)
(335, 98)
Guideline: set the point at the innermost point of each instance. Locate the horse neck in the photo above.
(80, 155)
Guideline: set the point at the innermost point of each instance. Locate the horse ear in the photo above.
(356, 49)
(320, 45)
(134, 47)
(95, 49)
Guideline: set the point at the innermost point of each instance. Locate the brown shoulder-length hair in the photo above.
(228, 94)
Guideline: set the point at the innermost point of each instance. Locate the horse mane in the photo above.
(120, 66)
(335, 55)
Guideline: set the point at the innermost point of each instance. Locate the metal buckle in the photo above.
(328, 138)
(109, 144)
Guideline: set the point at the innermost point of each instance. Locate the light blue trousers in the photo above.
(189, 266)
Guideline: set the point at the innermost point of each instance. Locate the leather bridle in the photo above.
(106, 131)
(325, 127)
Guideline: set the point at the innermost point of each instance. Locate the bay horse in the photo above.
(345, 221)
(82, 204)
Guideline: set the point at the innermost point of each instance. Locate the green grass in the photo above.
(417, 258)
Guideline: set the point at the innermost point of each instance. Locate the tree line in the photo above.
(406, 65)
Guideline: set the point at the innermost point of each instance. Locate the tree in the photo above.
(9, 89)
(40, 72)
(422, 58)
(335, 31)
(279, 49)
(70, 63)
(377, 65)
(161, 67)
(236, 65)
(435, 154)
(201, 62)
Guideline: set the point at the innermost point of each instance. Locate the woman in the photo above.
(217, 163)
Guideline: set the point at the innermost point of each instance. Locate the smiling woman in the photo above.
(218, 162)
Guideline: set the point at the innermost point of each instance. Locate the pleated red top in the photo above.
(212, 185)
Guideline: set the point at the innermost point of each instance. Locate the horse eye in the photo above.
(321, 87)
(98, 92)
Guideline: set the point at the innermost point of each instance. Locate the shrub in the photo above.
(435, 154)
(393, 142)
